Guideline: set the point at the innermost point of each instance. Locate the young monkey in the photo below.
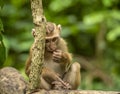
(59, 68)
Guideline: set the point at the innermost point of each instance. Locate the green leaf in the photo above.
(115, 14)
(66, 32)
(93, 18)
(1, 26)
(107, 3)
(18, 3)
(113, 34)
(1, 3)
(2, 53)
(58, 5)
(2, 47)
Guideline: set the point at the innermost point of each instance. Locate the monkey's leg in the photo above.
(73, 76)
(48, 78)
(44, 84)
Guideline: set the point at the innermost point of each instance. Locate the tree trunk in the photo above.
(38, 45)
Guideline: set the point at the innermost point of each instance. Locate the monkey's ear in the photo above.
(59, 27)
(33, 32)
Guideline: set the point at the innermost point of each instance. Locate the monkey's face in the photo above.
(52, 36)
(51, 43)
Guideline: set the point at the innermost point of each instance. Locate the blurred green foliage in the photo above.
(91, 28)
(2, 47)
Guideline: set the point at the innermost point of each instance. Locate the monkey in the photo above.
(58, 67)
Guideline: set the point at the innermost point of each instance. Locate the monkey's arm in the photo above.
(53, 78)
(49, 75)
(27, 67)
(62, 57)
(28, 63)
(66, 57)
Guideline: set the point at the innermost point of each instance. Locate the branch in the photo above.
(94, 71)
(76, 92)
(38, 45)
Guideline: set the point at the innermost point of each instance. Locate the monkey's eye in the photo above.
(46, 41)
(54, 39)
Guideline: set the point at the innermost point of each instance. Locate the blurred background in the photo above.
(90, 27)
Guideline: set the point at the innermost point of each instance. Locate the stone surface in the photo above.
(11, 81)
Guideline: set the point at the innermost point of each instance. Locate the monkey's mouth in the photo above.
(50, 50)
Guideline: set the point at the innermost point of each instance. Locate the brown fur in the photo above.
(58, 65)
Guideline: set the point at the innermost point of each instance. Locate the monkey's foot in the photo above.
(57, 85)
(67, 86)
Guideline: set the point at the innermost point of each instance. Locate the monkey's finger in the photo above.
(57, 56)
(56, 82)
(58, 51)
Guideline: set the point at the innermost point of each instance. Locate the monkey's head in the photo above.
(52, 36)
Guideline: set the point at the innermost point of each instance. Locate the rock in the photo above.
(11, 81)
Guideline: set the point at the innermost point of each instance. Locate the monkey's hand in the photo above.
(59, 56)
(57, 85)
